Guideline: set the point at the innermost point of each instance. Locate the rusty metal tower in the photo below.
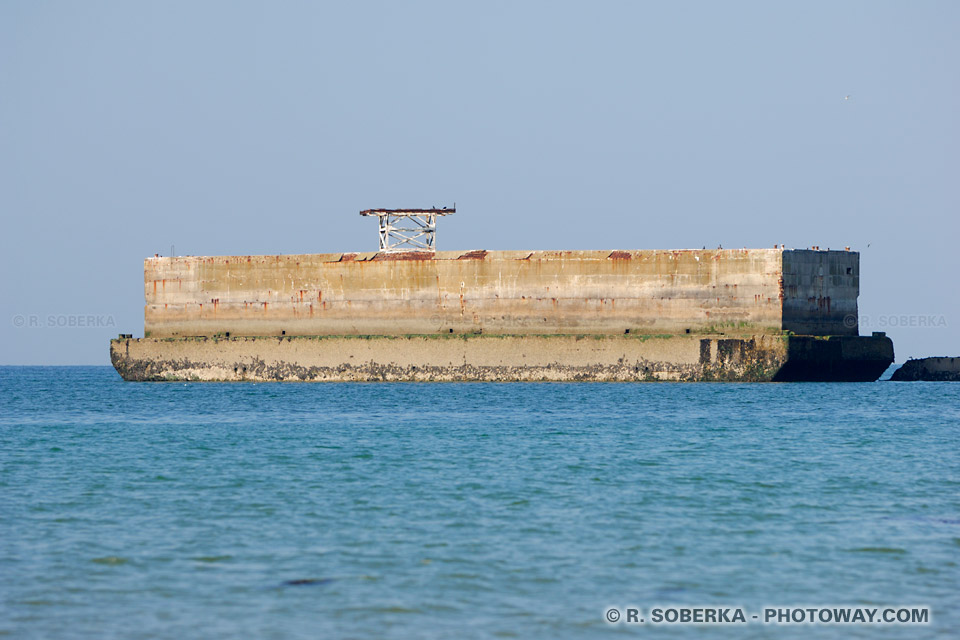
(408, 229)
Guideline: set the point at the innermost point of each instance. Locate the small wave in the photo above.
(397, 609)
(212, 558)
(306, 582)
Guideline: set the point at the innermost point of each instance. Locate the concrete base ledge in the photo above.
(503, 358)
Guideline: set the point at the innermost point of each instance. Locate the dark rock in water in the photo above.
(929, 369)
(307, 582)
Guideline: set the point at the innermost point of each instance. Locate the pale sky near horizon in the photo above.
(260, 128)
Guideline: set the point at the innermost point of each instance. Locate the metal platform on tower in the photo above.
(408, 229)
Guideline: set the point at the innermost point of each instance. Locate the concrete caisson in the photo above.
(742, 314)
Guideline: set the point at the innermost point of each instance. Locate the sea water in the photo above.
(172, 510)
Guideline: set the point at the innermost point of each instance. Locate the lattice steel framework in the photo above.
(408, 229)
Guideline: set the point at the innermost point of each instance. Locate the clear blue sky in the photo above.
(239, 128)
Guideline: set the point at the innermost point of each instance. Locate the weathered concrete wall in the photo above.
(942, 369)
(820, 290)
(505, 315)
(737, 292)
(503, 358)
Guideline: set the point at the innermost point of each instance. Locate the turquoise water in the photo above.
(470, 510)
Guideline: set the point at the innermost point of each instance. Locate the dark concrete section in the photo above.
(929, 370)
(836, 359)
(819, 292)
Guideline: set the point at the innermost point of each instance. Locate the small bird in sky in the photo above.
(847, 98)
